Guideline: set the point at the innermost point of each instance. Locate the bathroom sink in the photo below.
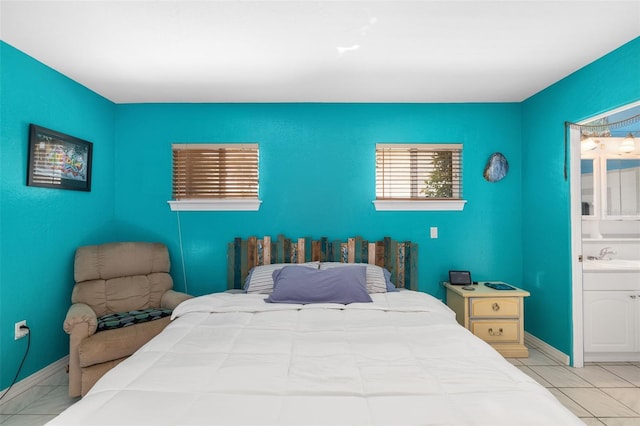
(600, 264)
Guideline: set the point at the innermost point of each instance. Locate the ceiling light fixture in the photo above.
(598, 128)
(342, 50)
(628, 144)
(587, 143)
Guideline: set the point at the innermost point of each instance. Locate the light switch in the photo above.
(434, 232)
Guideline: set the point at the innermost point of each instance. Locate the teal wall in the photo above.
(317, 179)
(608, 83)
(40, 228)
(317, 165)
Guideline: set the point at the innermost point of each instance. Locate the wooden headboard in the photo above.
(399, 258)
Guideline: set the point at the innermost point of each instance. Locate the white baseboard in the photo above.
(612, 357)
(34, 379)
(553, 353)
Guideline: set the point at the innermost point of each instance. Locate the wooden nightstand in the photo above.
(496, 316)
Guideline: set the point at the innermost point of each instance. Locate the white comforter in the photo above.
(232, 359)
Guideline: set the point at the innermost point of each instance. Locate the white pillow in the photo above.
(376, 282)
(260, 278)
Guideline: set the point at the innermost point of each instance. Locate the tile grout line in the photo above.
(552, 363)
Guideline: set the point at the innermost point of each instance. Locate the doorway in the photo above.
(593, 207)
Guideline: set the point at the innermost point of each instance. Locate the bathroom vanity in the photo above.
(611, 255)
(611, 296)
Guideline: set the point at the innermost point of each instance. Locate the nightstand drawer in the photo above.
(496, 331)
(490, 307)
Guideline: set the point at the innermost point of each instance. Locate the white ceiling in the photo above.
(318, 51)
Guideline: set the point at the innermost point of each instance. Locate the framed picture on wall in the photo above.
(58, 161)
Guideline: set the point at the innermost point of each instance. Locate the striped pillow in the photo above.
(260, 278)
(376, 281)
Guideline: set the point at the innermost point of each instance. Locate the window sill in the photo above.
(419, 205)
(215, 205)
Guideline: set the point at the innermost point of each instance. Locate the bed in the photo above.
(234, 358)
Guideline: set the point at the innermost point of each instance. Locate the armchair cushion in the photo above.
(115, 260)
(120, 277)
(114, 344)
(126, 319)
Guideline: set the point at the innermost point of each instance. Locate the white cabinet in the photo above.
(611, 325)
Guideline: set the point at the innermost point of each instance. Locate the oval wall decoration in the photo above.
(496, 168)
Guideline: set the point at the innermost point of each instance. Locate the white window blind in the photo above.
(215, 171)
(418, 172)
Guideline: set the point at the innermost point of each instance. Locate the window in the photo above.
(419, 177)
(215, 177)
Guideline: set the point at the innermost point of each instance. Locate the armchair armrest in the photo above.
(81, 315)
(173, 298)
(80, 323)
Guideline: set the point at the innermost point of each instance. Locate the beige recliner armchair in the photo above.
(122, 298)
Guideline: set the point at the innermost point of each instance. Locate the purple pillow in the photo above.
(387, 279)
(305, 285)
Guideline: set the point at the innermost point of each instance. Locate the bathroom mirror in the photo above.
(610, 181)
(610, 166)
(623, 187)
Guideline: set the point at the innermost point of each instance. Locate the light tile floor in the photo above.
(38, 404)
(600, 393)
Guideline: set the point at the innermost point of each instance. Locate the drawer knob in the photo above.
(633, 296)
(496, 307)
(494, 333)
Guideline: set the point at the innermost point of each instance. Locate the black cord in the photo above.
(22, 363)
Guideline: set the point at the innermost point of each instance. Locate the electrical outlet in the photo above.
(433, 232)
(21, 332)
